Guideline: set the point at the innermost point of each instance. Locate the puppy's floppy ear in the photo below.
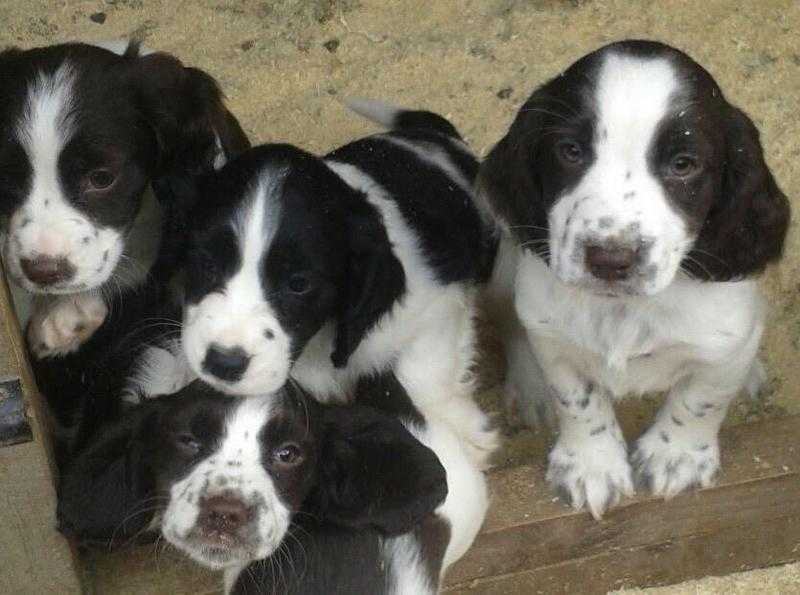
(509, 179)
(184, 107)
(746, 227)
(104, 493)
(374, 473)
(195, 132)
(375, 279)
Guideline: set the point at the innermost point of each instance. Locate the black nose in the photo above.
(223, 514)
(611, 263)
(47, 271)
(226, 363)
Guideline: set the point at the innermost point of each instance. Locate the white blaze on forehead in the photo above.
(631, 98)
(255, 226)
(47, 122)
(242, 429)
(45, 128)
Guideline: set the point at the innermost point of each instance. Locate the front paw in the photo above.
(594, 473)
(63, 325)
(668, 463)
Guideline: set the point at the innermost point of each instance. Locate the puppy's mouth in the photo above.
(612, 289)
(215, 549)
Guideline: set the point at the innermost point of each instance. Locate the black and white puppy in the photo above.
(635, 206)
(327, 269)
(88, 130)
(283, 493)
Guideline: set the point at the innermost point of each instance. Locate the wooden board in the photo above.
(35, 558)
(532, 543)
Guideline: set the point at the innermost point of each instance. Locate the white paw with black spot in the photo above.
(669, 463)
(592, 473)
(63, 325)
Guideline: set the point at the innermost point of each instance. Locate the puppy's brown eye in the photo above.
(188, 444)
(287, 455)
(570, 151)
(683, 165)
(100, 179)
(299, 284)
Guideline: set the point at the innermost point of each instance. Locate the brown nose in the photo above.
(611, 263)
(223, 514)
(47, 271)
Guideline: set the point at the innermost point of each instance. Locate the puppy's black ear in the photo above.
(746, 228)
(375, 280)
(184, 107)
(374, 473)
(105, 492)
(509, 179)
(195, 133)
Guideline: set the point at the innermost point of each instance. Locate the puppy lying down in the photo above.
(284, 494)
(327, 269)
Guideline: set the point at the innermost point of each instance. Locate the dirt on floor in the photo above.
(285, 64)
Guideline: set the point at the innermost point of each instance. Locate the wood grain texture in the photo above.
(35, 557)
(533, 543)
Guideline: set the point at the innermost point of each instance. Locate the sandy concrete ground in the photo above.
(285, 63)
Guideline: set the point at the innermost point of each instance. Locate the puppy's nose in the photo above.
(45, 271)
(611, 262)
(223, 514)
(226, 363)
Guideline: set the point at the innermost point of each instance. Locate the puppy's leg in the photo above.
(681, 449)
(435, 369)
(528, 401)
(61, 324)
(588, 465)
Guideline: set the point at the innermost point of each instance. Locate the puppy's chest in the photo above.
(625, 349)
(618, 334)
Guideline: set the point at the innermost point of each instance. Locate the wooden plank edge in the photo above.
(746, 495)
(734, 549)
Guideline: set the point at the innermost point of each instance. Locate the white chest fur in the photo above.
(635, 344)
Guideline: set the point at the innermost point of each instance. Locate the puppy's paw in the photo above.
(669, 463)
(479, 446)
(477, 433)
(594, 474)
(61, 326)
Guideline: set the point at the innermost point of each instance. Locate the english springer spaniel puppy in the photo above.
(635, 208)
(97, 165)
(327, 269)
(88, 131)
(284, 494)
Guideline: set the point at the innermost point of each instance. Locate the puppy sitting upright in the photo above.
(635, 207)
(87, 132)
(327, 269)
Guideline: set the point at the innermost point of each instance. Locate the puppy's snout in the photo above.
(226, 363)
(611, 262)
(46, 271)
(223, 514)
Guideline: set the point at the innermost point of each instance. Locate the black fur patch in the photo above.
(436, 208)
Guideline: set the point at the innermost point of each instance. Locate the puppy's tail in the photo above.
(399, 118)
